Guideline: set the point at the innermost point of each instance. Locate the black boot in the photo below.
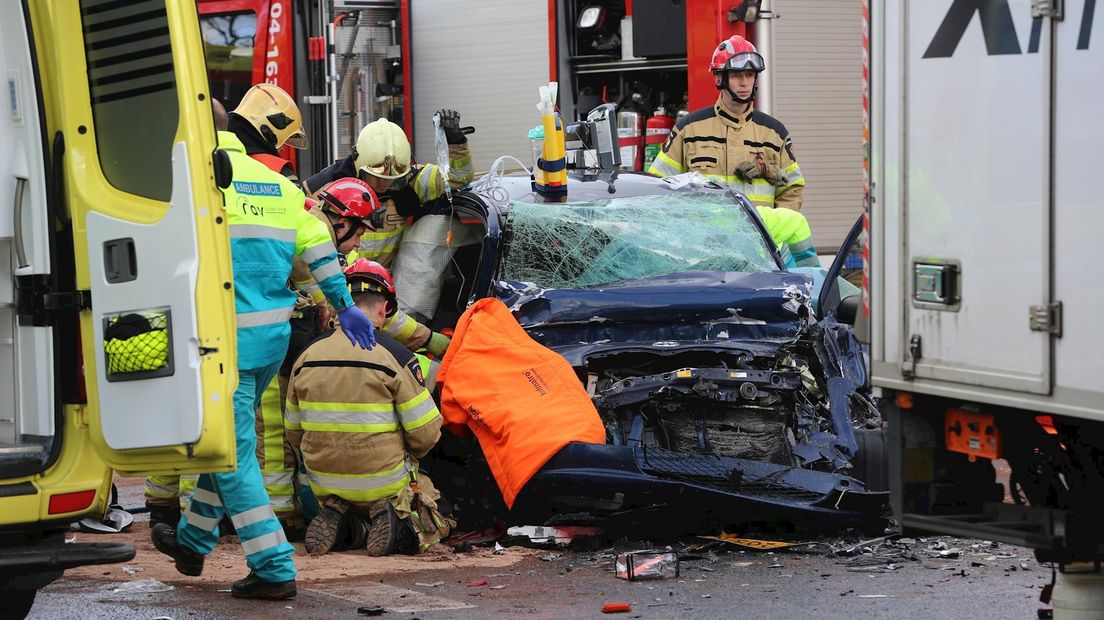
(188, 562)
(255, 587)
(323, 529)
(169, 515)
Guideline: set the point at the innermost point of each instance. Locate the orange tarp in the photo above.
(522, 401)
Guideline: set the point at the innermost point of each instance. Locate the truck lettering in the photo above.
(997, 27)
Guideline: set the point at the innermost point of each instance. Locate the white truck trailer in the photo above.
(986, 269)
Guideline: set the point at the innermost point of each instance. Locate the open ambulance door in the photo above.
(133, 145)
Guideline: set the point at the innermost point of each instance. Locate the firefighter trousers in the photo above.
(241, 494)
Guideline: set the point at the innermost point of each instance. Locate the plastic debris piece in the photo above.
(873, 596)
(498, 549)
(429, 585)
(132, 570)
(477, 583)
(374, 610)
(616, 608)
(115, 521)
(752, 543)
(641, 565)
(499, 587)
(143, 585)
(551, 557)
(560, 535)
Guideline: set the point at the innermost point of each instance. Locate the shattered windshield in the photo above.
(599, 242)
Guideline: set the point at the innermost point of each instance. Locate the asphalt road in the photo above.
(979, 581)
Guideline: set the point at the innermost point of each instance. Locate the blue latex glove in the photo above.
(358, 327)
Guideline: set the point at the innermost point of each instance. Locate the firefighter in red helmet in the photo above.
(732, 142)
(364, 470)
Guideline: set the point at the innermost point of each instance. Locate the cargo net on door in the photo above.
(137, 345)
(604, 241)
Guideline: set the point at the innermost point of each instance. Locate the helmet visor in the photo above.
(744, 61)
(389, 168)
(297, 140)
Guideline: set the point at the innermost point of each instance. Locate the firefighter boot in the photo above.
(169, 515)
(389, 534)
(323, 529)
(188, 562)
(256, 588)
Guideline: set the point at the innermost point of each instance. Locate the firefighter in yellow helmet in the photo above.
(381, 158)
(362, 419)
(266, 120)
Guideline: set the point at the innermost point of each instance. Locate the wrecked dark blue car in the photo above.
(732, 390)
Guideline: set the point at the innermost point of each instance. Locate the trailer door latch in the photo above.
(1046, 318)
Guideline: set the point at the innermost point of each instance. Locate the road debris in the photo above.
(371, 611)
(143, 586)
(616, 608)
(433, 584)
(477, 583)
(642, 565)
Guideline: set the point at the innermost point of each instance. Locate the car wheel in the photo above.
(16, 603)
(871, 464)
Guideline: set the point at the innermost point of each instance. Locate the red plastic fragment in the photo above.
(476, 584)
(616, 608)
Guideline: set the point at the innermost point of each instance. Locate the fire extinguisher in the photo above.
(657, 129)
(630, 134)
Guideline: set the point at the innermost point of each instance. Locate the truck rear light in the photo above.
(71, 502)
(1047, 422)
(972, 433)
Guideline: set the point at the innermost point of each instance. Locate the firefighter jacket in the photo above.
(269, 228)
(400, 326)
(360, 417)
(791, 233)
(714, 142)
(406, 201)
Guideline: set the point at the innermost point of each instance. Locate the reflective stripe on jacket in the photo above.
(268, 228)
(354, 413)
(791, 233)
(714, 142)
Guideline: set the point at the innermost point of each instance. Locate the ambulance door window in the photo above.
(134, 100)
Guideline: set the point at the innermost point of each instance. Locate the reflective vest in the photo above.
(355, 413)
(791, 233)
(713, 142)
(268, 228)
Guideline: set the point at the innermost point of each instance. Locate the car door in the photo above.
(128, 112)
(841, 293)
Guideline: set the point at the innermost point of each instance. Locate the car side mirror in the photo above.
(224, 170)
(848, 309)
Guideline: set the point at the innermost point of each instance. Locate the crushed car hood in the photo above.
(687, 306)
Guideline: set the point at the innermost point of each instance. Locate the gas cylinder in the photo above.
(657, 128)
(630, 134)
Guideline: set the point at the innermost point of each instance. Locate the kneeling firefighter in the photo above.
(362, 420)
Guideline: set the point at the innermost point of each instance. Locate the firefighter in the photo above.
(348, 207)
(266, 120)
(381, 158)
(268, 228)
(731, 141)
(337, 198)
(362, 419)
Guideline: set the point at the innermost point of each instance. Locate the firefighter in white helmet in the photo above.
(381, 158)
